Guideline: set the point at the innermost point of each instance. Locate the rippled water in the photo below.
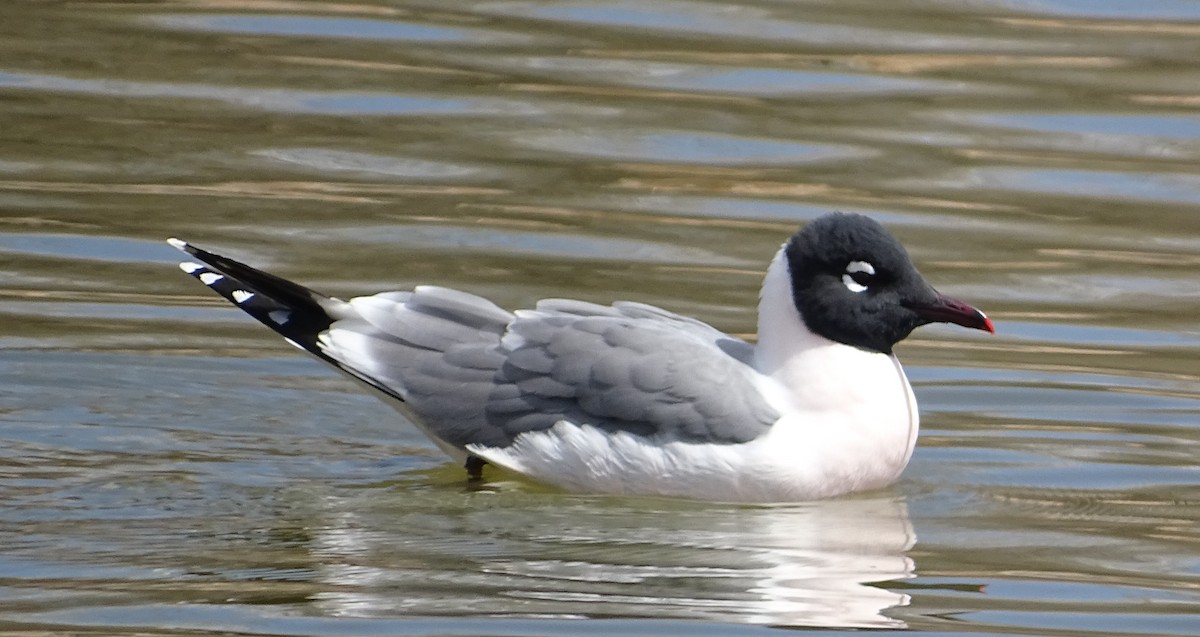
(169, 467)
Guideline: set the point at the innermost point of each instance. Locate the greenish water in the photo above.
(167, 466)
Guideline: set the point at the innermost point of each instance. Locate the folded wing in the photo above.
(471, 373)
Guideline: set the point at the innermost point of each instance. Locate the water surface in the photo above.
(169, 467)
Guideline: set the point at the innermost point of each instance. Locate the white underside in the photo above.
(805, 456)
(850, 424)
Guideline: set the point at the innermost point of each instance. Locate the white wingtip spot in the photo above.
(295, 344)
(209, 278)
(241, 296)
(190, 267)
(177, 243)
(279, 316)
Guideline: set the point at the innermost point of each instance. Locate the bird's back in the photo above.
(473, 374)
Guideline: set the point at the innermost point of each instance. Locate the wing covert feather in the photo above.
(638, 373)
(473, 373)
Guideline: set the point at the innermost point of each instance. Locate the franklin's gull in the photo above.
(631, 398)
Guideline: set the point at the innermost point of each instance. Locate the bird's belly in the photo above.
(785, 465)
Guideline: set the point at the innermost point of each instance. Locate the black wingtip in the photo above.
(290, 309)
(283, 291)
(293, 311)
(184, 246)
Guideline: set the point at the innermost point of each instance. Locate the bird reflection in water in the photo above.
(821, 564)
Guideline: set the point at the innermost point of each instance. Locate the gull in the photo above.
(629, 398)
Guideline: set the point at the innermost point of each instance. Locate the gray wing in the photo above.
(472, 378)
(437, 349)
(469, 372)
(642, 370)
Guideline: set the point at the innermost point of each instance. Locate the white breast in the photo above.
(850, 420)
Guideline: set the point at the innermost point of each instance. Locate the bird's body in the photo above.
(634, 399)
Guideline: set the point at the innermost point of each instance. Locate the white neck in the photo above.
(782, 334)
(816, 373)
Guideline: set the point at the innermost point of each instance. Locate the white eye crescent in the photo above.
(858, 275)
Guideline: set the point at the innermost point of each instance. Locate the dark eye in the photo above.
(859, 276)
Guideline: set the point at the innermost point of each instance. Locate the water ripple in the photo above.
(279, 100)
(334, 27)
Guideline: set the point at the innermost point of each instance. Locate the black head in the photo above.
(854, 283)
